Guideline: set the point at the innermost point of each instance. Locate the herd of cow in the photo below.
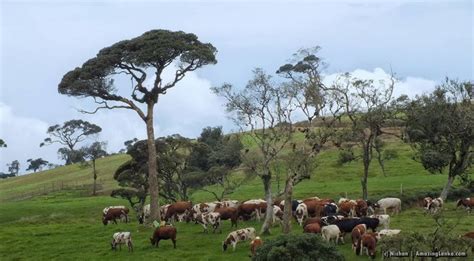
(321, 216)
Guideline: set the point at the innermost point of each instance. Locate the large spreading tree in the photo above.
(69, 134)
(440, 127)
(150, 53)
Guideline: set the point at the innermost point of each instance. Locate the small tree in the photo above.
(3, 144)
(366, 106)
(263, 114)
(93, 152)
(154, 51)
(36, 164)
(70, 134)
(14, 167)
(440, 127)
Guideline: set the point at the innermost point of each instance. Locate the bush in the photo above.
(297, 247)
(389, 154)
(345, 156)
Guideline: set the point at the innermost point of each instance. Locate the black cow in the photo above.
(330, 209)
(371, 223)
(346, 225)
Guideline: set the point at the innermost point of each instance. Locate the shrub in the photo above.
(297, 247)
(345, 156)
(389, 154)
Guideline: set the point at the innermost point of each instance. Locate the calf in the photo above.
(257, 242)
(467, 203)
(369, 242)
(228, 213)
(237, 236)
(163, 232)
(120, 238)
(356, 234)
(384, 220)
(314, 228)
(435, 205)
(389, 203)
(113, 214)
(332, 232)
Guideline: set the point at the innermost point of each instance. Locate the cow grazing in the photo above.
(425, 202)
(313, 220)
(435, 205)
(163, 233)
(371, 223)
(387, 233)
(228, 213)
(123, 208)
(261, 206)
(237, 236)
(201, 208)
(256, 243)
(121, 238)
(227, 204)
(179, 210)
(357, 233)
(467, 203)
(361, 208)
(389, 203)
(369, 242)
(212, 219)
(113, 214)
(347, 208)
(332, 232)
(314, 228)
(384, 220)
(248, 210)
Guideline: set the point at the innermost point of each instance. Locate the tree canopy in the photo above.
(36, 164)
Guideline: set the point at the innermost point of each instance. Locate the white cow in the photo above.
(387, 233)
(387, 203)
(435, 205)
(239, 235)
(121, 238)
(212, 219)
(332, 232)
(301, 213)
(107, 208)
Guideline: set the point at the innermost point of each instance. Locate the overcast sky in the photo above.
(421, 41)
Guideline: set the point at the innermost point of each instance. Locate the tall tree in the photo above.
(155, 51)
(93, 152)
(3, 144)
(36, 164)
(313, 100)
(14, 167)
(264, 115)
(367, 106)
(69, 134)
(440, 127)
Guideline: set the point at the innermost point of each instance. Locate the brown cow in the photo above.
(369, 242)
(228, 213)
(163, 232)
(467, 203)
(312, 221)
(257, 242)
(314, 228)
(247, 210)
(113, 214)
(347, 208)
(361, 208)
(180, 209)
(356, 234)
(470, 235)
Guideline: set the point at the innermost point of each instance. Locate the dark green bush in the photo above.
(345, 156)
(297, 247)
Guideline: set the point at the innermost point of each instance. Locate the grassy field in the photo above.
(66, 224)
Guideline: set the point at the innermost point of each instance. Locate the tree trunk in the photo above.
(287, 213)
(268, 197)
(363, 182)
(94, 189)
(447, 187)
(152, 166)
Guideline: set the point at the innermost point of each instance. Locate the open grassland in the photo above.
(66, 224)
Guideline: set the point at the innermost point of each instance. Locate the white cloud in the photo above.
(23, 136)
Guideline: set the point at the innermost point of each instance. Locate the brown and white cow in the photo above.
(357, 233)
(113, 214)
(256, 243)
(163, 233)
(248, 210)
(202, 208)
(123, 208)
(467, 203)
(212, 219)
(361, 208)
(237, 236)
(314, 228)
(179, 210)
(227, 204)
(277, 215)
(368, 241)
(231, 214)
(121, 238)
(435, 205)
(347, 208)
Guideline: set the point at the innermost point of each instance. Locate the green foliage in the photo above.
(95, 151)
(14, 167)
(3, 144)
(36, 164)
(345, 156)
(297, 247)
(390, 154)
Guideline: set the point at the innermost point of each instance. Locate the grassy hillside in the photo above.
(41, 224)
